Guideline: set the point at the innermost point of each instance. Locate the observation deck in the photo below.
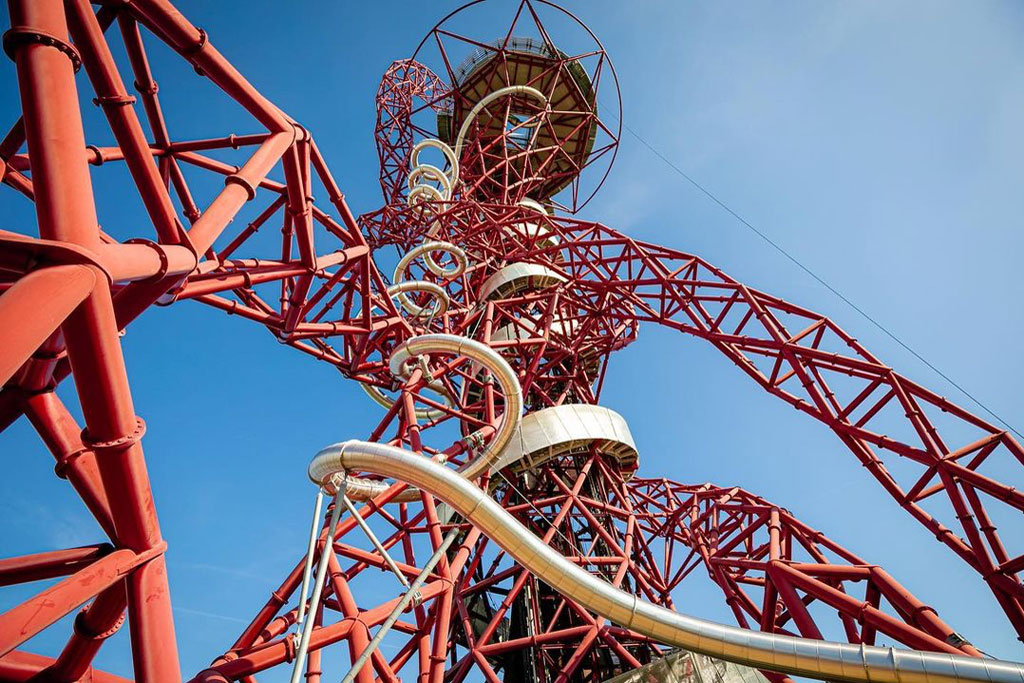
(545, 146)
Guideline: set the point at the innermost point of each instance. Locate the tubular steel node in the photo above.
(494, 491)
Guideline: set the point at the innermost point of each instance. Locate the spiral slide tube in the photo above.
(360, 488)
(441, 302)
(499, 93)
(386, 402)
(428, 172)
(798, 656)
(420, 189)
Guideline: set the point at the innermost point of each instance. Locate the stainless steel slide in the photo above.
(800, 656)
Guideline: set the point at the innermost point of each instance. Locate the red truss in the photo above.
(747, 544)
(66, 295)
(519, 146)
(403, 83)
(482, 614)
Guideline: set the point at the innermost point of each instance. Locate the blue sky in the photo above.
(879, 142)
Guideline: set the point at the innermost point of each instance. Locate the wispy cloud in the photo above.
(209, 615)
(65, 530)
(227, 571)
(631, 202)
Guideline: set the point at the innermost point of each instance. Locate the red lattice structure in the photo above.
(552, 294)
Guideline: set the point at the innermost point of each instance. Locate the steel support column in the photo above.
(45, 65)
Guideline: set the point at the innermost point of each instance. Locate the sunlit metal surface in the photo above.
(799, 656)
(559, 430)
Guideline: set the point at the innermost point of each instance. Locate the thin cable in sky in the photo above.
(775, 245)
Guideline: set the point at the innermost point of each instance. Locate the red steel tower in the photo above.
(497, 495)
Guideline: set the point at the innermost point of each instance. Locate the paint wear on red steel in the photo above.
(66, 295)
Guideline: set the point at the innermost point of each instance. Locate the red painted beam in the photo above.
(34, 307)
(48, 565)
(25, 667)
(30, 617)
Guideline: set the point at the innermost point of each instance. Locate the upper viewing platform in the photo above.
(524, 141)
(522, 113)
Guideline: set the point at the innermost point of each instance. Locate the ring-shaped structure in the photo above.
(431, 173)
(438, 307)
(425, 193)
(449, 154)
(570, 428)
(424, 250)
(361, 488)
(533, 204)
(518, 277)
(452, 271)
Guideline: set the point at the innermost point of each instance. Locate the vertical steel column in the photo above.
(45, 65)
(124, 123)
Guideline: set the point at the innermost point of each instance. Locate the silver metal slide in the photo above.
(799, 656)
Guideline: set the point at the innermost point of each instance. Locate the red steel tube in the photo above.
(129, 262)
(114, 99)
(95, 353)
(240, 188)
(47, 565)
(53, 124)
(846, 603)
(278, 652)
(25, 667)
(65, 211)
(725, 527)
(34, 307)
(35, 375)
(63, 438)
(147, 88)
(168, 23)
(922, 614)
(30, 617)
(93, 626)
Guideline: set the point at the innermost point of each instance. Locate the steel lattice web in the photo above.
(553, 295)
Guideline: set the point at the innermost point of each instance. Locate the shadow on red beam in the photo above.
(41, 566)
(35, 306)
(20, 666)
(20, 623)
